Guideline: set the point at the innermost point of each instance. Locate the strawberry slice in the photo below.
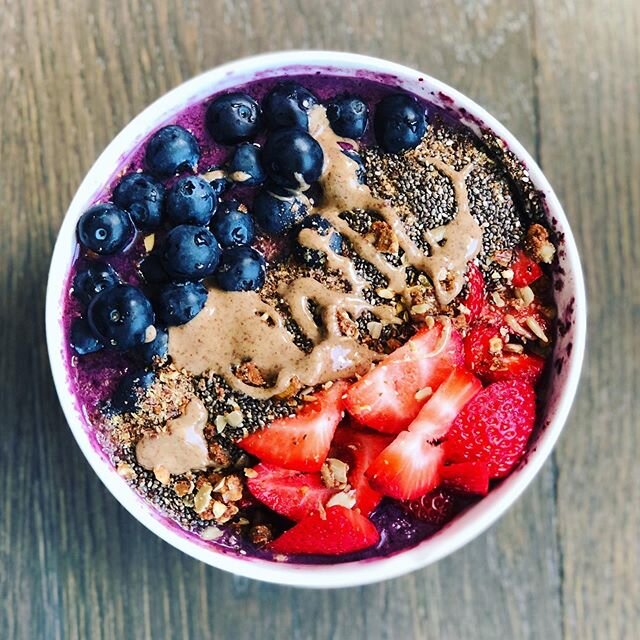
(445, 404)
(300, 442)
(385, 398)
(338, 531)
(436, 507)
(492, 366)
(494, 427)
(408, 468)
(525, 270)
(475, 297)
(292, 494)
(359, 449)
(470, 477)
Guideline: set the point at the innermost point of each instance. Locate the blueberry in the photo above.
(361, 172)
(129, 391)
(177, 303)
(220, 185)
(105, 229)
(276, 214)
(233, 118)
(233, 227)
(157, 348)
(348, 116)
(91, 279)
(121, 316)
(316, 257)
(190, 252)
(245, 166)
(142, 197)
(400, 122)
(241, 269)
(152, 270)
(292, 159)
(191, 200)
(288, 105)
(83, 340)
(170, 150)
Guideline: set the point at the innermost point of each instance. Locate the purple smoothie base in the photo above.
(92, 378)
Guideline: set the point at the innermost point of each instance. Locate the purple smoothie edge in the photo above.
(192, 118)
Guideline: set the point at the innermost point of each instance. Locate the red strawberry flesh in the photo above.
(470, 477)
(300, 442)
(443, 406)
(292, 494)
(359, 449)
(336, 532)
(494, 427)
(408, 468)
(385, 398)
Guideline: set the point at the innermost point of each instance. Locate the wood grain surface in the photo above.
(564, 76)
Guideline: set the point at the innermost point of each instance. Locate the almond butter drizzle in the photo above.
(238, 327)
(182, 447)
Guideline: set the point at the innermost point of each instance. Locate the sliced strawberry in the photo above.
(445, 404)
(494, 427)
(493, 365)
(408, 468)
(475, 298)
(385, 398)
(471, 477)
(436, 507)
(300, 442)
(359, 449)
(338, 531)
(525, 270)
(292, 494)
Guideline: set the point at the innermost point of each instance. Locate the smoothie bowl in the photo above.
(315, 318)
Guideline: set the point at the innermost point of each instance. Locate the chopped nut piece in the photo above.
(292, 388)
(420, 309)
(424, 393)
(386, 294)
(211, 533)
(526, 295)
(223, 512)
(214, 174)
(497, 299)
(249, 373)
(232, 491)
(183, 487)
(218, 455)
(221, 423)
(383, 237)
(537, 330)
(260, 535)
(234, 419)
(162, 474)
(149, 241)
(537, 244)
(334, 473)
(514, 347)
(346, 324)
(203, 498)
(125, 470)
(374, 329)
(344, 499)
(508, 274)
(218, 509)
(250, 473)
(512, 323)
(495, 345)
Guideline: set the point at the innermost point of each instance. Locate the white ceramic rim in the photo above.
(464, 528)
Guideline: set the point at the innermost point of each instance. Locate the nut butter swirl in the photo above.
(236, 327)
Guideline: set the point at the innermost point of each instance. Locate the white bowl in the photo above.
(568, 354)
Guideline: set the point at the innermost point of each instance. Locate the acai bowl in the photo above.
(315, 318)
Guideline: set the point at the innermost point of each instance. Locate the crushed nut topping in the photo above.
(334, 473)
(249, 373)
(383, 237)
(537, 244)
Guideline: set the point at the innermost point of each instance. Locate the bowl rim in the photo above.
(348, 574)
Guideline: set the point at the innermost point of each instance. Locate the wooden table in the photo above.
(564, 76)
